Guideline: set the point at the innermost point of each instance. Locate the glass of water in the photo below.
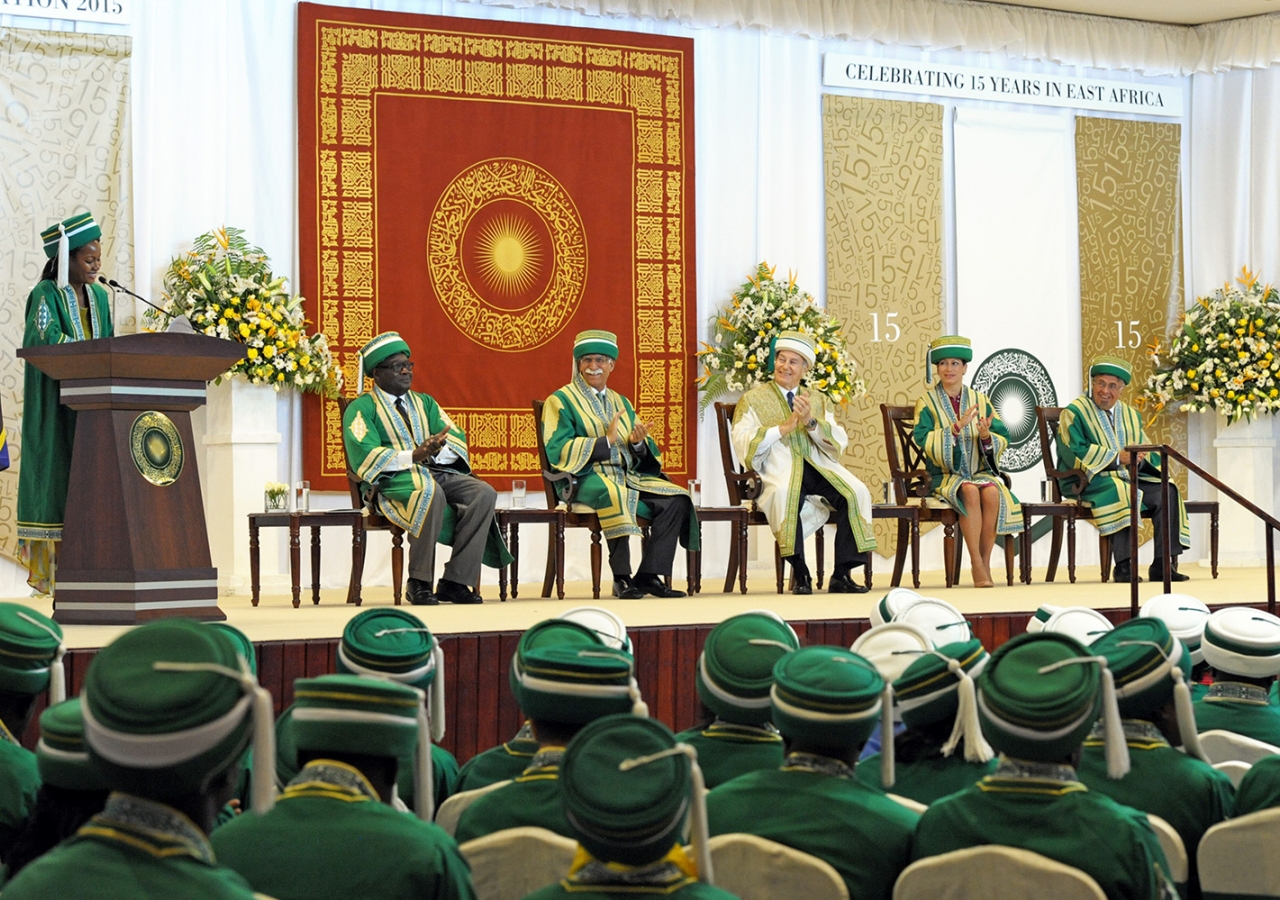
(695, 492)
(517, 493)
(302, 496)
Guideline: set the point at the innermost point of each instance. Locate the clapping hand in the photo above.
(430, 447)
(639, 432)
(615, 429)
(984, 428)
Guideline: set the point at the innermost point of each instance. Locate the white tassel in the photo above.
(698, 825)
(423, 778)
(888, 770)
(437, 695)
(1186, 716)
(1113, 728)
(64, 260)
(57, 670)
(638, 706)
(967, 725)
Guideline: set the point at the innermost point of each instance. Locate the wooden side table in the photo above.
(315, 520)
(1065, 511)
(908, 516)
(737, 516)
(509, 522)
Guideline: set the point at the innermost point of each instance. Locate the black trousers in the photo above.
(848, 556)
(1151, 501)
(670, 517)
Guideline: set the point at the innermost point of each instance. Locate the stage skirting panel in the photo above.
(481, 712)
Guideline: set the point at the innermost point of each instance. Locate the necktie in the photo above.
(404, 413)
(791, 399)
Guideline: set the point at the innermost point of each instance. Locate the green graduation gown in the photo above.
(1242, 708)
(1189, 794)
(1260, 787)
(726, 750)
(48, 427)
(501, 763)
(330, 837)
(953, 460)
(1088, 442)
(19, 784)
(1042, 808)
(672, 876)
(819, 808)
(374, 433)
(532, 798)
(928, 779)
(574, 418)
(134, 848)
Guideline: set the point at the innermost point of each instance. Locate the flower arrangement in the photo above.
(275, 495)
(738, 357)
(225, 286)
(1224, 356)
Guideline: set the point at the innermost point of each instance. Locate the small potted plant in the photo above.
(275, 497)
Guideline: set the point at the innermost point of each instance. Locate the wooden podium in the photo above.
(134, 543)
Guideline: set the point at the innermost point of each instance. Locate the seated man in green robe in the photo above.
(825, 701)
(629, 793)
(734, 677)
(1038, 698)
(1242, 645)
(168, 710)
(594, 433)
(1093, 431)
(319, 840)
(405, 445)
(1167, 776)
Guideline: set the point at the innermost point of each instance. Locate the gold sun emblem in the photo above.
(510, 255)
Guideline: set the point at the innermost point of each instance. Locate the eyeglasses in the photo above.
(396, 367)
(595, 360)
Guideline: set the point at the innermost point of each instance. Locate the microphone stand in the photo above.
(120, 287)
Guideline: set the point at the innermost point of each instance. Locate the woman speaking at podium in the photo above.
(67, 305)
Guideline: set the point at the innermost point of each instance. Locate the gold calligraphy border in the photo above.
(355, 61)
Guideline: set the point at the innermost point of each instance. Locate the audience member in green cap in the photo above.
(628, 790)
(168, 709)
(825, 701)
(1038, 698)
(242, 800)
(1242, 645)
(1093, 431)
(594, 433)
(1260, 787)
(71, 792)
(786, 432)
(403, 444)
(963, 439)
(30, 662)
(735, 674)
(1185, 617)
(563, 676)
(66, 305)
(333, 833)
(1151, 669)
(941, 750)
(390, 643)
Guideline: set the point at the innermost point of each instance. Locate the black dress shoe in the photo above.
(452, 592)
(419, 593)
(1157, 572)
(1122, 572)
(624, 589)
(844, 584)
(801, 585)
(652, 584)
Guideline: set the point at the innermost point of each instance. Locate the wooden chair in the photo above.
(755, 868)
(1221, 746)
(1069, 509)
(513, 863)
(366, 499)
(993, 872)
(1237, 858)
(562, 489)
(744, 488)
(911, 487)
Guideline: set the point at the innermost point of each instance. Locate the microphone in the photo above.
(120, 287)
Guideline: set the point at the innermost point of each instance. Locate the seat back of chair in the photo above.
(906, 460)
(515, 862)
(1174, 850)
(552, 500)
(754, 868)
(1047, 427)
(1237, 858)
(1233, 769)
(353, 480)
(724, 424)
(451, 810)
(993, 873)
(1220, 746)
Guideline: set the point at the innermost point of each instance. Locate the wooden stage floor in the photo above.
(478, 641)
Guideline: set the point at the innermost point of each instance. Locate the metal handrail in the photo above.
(1271, 522)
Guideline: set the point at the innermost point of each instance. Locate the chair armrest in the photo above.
(1065, 477)
(564, 484)
(749, 484)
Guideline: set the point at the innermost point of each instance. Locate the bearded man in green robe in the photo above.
(595, 434)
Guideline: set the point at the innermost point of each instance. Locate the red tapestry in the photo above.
(489, 190)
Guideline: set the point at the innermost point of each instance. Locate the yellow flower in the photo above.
(1195, 385)
(244, 330)
(269, 351)
(304, 360)
(252, 353)
(1231, 395)
(280, 377)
